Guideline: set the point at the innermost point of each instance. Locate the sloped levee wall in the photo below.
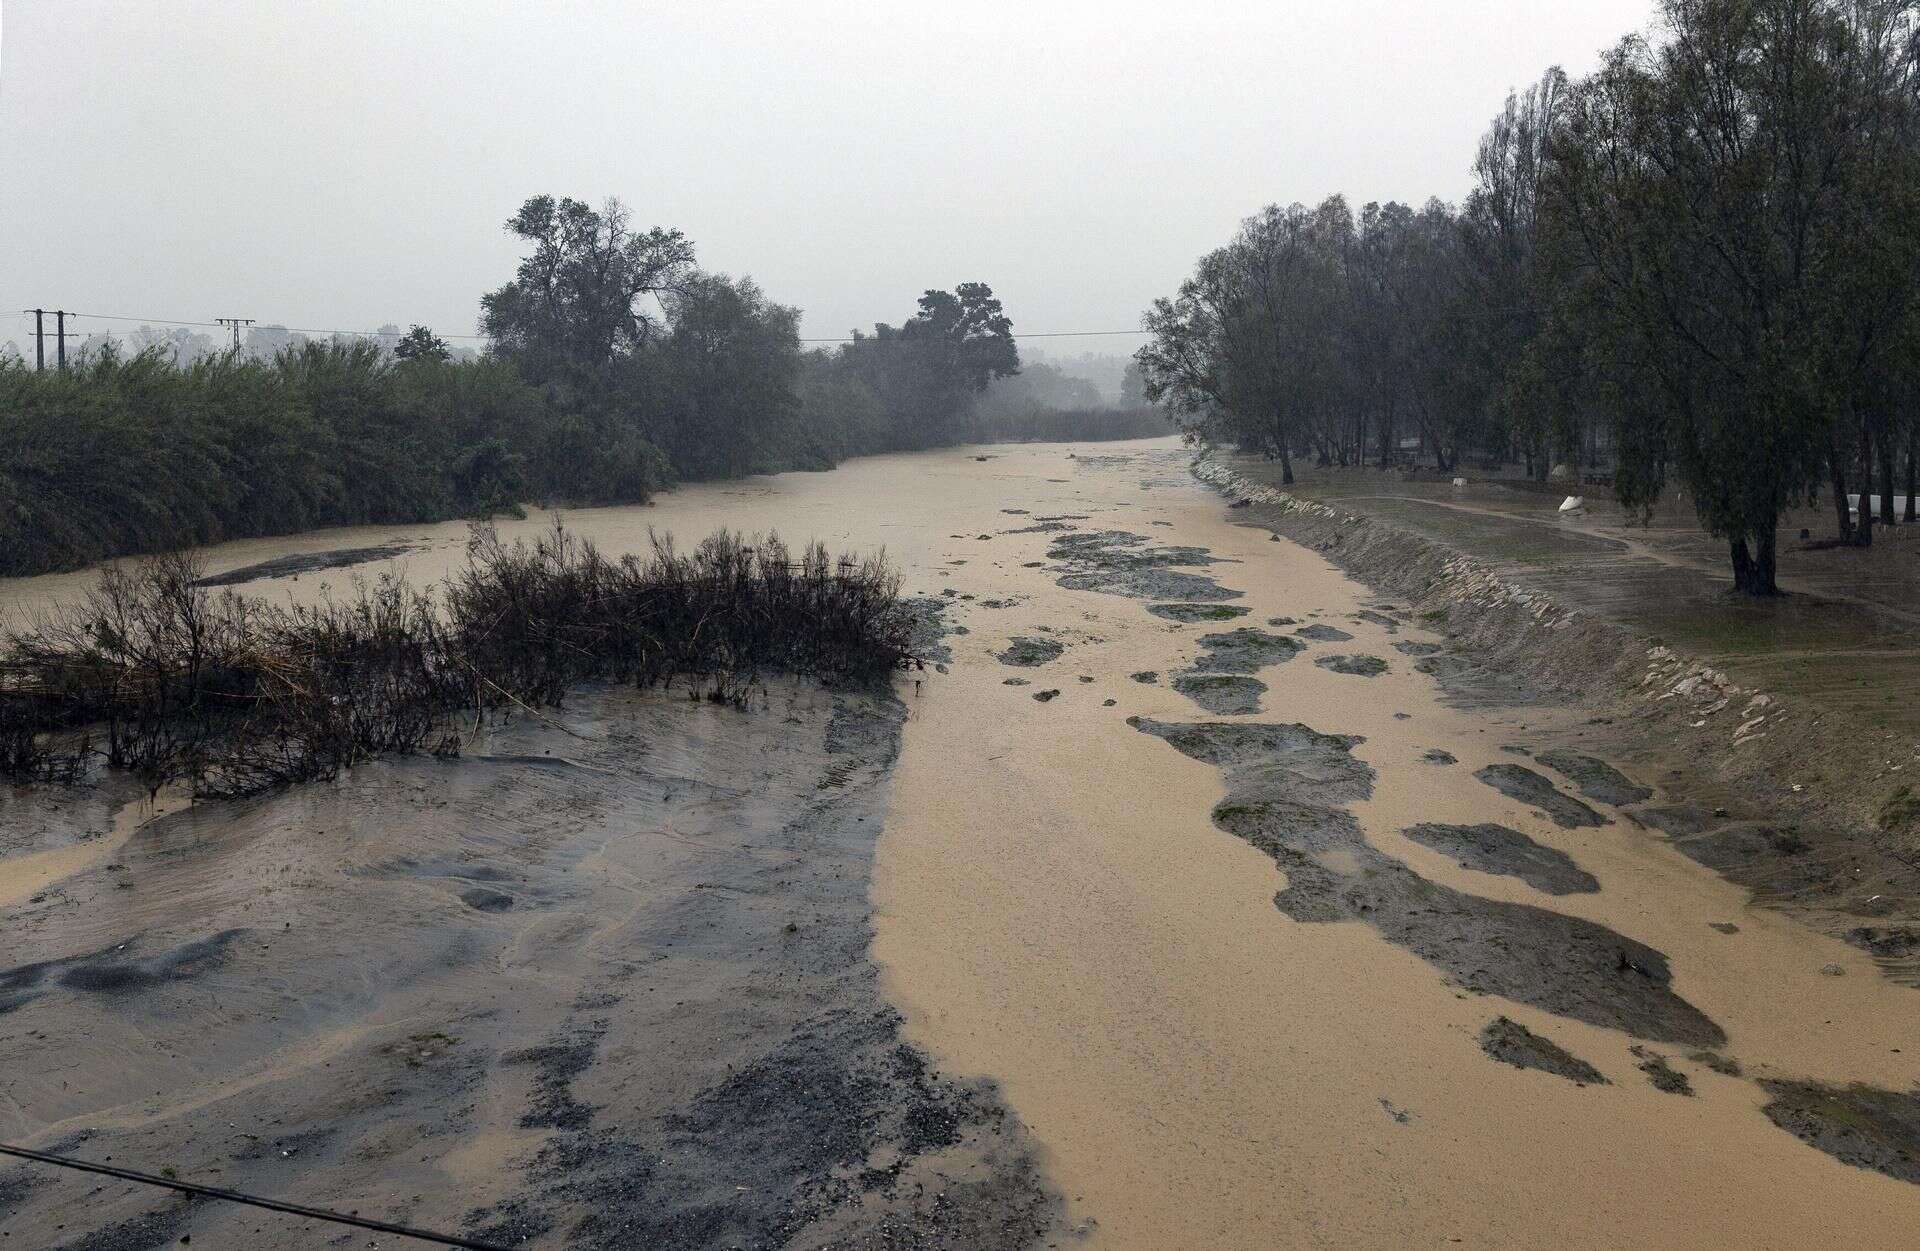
(1788, 759)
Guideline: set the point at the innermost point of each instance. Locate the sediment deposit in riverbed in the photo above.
(1306, 960)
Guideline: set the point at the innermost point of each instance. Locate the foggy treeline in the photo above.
(616, 367)
(1693, 266)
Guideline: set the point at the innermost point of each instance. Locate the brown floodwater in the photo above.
(1056, 909)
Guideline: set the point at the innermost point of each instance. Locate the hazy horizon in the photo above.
(345, 166)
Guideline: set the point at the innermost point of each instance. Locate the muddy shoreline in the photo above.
(602, 983)
(1745, 791)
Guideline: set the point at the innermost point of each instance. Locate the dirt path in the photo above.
(1623, 544)
(1261, 939)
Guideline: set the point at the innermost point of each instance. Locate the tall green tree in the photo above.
(1704, 185)
(929, 370)
(729, 368)
(1245, 350)
(584, 293)
(420, 343)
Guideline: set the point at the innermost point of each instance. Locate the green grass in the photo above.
(1900, 810)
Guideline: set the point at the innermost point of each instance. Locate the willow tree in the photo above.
(1248, 347)
(1507, 292)
(1702, 187)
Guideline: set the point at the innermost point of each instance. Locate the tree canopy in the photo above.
(1696, 263)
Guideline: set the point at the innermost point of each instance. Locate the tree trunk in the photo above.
(1837, 468)
(1742, 564)
(1863, 529)
(1766, 544)
(1913, 478)
(1888, 454)
(1286, 466)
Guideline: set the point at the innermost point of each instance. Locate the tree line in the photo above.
(616, 367)
(1695, 265)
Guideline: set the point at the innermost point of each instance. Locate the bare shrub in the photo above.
(238, 696)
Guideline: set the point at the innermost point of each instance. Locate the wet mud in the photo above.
(1489, 848)
(1510, 1042)
(1726, 1066)
(1857, 1124)
(602, 983)
(1390, 624)
(1596, 779)
(115, 971)
(1523, 784)
(306, 562)
(1289, 788)
(1895, 948)
(1191, 613)
(1661, 1075)
(1120, 563)
(1788, 865)
(1226, 694)
(1031, 652)
(1245, 650)
(1440, 665)
(1355, 666)
(1466, 684)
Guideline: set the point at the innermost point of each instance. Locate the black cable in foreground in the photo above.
(234, 1196)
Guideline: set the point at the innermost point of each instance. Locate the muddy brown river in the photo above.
(1199, 899)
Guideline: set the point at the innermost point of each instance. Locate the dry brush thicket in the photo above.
(154, 674)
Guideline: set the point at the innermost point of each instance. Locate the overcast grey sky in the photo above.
(339, 163)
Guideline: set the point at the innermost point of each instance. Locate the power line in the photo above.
(1018, 334)
(223, 322)
(236, 323)
(235, 1196)
(40, 334)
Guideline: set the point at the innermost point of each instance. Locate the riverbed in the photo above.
(1202, 897)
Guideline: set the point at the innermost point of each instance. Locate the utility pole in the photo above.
(236, 323)
(39, 339)
(60, 334)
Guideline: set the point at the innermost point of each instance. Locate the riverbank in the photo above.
(600, 983)
(1778, 789)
